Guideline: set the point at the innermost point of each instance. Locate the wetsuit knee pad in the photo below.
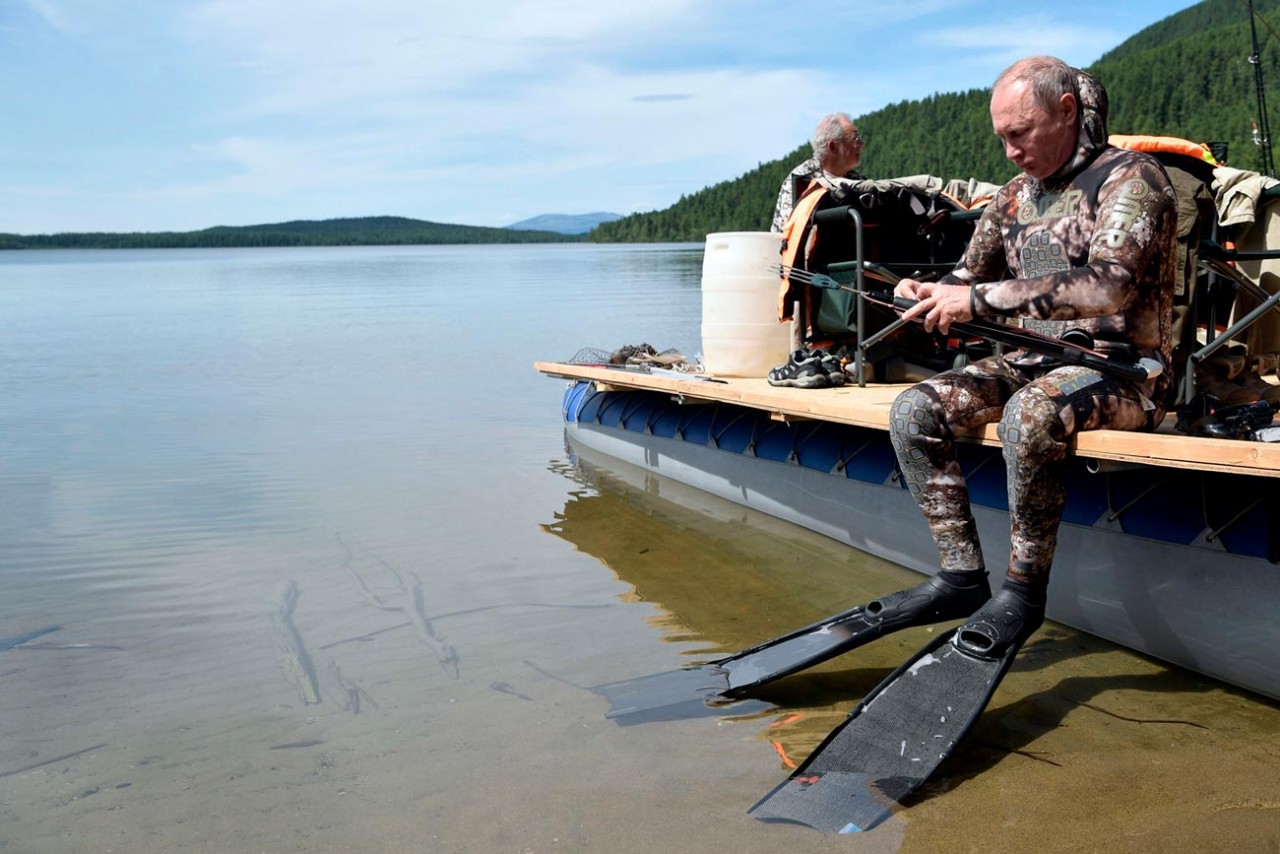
(914, 417)
(1026, 426)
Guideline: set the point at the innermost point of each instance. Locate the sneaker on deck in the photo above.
(830, 363)
(802, 370)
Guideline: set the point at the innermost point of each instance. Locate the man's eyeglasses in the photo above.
(856, 137)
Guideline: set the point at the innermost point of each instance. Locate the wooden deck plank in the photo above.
(869, 407)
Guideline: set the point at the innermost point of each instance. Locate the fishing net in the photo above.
(636, 354)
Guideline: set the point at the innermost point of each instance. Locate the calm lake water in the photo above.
(293, 559)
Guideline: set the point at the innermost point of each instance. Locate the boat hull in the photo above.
(1174, 563)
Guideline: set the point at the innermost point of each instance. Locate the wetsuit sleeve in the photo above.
(984, 257)
(1118, 237)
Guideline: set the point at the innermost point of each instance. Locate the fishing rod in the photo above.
(1065, 351)
(1262, 127)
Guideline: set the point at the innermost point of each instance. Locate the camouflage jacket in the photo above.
(809, 170)
(1091, 248)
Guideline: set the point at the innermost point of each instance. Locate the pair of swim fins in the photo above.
(895, 738)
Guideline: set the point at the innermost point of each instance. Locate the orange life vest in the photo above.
(1165, 144)
(794, 238)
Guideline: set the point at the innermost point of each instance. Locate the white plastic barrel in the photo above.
(741, 334)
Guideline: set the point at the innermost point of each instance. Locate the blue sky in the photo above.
(152, 115)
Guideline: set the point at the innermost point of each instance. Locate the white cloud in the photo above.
(102, 24)
(1005, 41)
(335, 53)
(553, 139)
(54, 14)
(514, 107)
(482, 112)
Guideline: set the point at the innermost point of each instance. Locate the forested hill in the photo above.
(360, 231)
(1187, 76)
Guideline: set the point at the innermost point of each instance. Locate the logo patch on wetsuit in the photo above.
(1123, 214)
(1050, 206)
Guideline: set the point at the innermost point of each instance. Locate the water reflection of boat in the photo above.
(1168, 546)
(754, 577)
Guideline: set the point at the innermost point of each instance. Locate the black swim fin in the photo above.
(903, 730)
(697, 690)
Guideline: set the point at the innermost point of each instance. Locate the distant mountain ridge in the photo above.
(565, 223)
(351, 231)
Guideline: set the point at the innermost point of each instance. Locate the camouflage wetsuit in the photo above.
(1091, 247)
(809, 170)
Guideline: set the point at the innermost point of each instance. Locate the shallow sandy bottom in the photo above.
(205, 742)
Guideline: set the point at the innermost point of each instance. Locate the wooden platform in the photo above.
(869, 407)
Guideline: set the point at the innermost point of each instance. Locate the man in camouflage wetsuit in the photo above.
(1083, 238)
